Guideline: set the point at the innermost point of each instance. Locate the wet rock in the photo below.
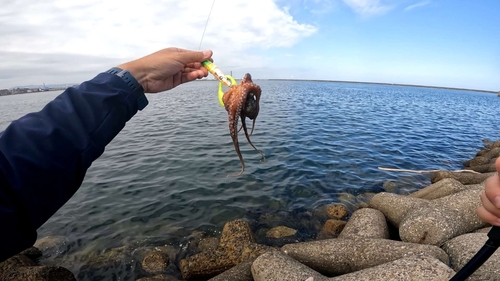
(276, 266)
(32, 253)
(439, 189)
(106, 264)
(390, 186)
(38, 273)
(417, 267)
(395, 207)
(208, 244)
(15, 262)
(366, 223)
(336, 256)
(463, 177)
(462, 248)
(52, 245)
(280, 232)
(364, 198)
(331, 229)
(331, 211)
(155, 262)
(236, 246)
(349, 201)
(241, 272)
(446, 218)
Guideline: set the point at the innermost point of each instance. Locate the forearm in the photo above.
(44, 155)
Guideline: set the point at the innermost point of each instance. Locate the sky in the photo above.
(448, 43)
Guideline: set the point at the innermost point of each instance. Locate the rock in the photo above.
(445, 218)
(416, 267)
(483, 230)
(439, 189)
(161, 277)
(462, 248)
(479, 160)
(331, 211)
(236, 245)
(463, 177)
(38, 273)
(336, 256)
(486, 168)
(495, 144)
(480, 153)
(280, 232)
(394, 206)
(208, 244)
(15, 262)
(241, 272)
(366, 223)
(390, 186)
(52, 245)
(155, 262)
(32, 253)
(493, 153)
(276, 266)
(331, 229)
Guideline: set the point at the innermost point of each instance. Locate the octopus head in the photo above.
(251, 108)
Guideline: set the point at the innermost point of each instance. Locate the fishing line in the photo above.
(206, 24)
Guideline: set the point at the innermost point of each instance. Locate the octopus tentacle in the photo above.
(243, 124)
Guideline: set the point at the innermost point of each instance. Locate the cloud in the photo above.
(417, 5)
(91, 34)
(368, 7)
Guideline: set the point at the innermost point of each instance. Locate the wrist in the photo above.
(136, 71)
(137, 90)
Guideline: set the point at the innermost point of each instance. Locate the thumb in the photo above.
(186, 56)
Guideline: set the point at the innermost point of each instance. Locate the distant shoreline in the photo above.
(388, 84)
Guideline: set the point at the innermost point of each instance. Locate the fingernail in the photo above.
(496, 201)
(206, 53)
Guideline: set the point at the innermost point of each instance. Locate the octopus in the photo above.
(242, 101)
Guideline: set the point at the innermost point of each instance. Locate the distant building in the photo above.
(4, 92)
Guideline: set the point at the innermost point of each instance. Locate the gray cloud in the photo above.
(36, 69)
(64, 41)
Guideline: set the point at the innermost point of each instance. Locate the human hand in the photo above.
(490, 199)
(168, 68)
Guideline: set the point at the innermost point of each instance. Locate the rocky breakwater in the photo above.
(428, 234)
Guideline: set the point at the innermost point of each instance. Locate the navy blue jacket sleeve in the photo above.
(44, 155)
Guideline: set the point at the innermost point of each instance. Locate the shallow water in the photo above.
(165, 174)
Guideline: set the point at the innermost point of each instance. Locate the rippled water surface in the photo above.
(165, 174)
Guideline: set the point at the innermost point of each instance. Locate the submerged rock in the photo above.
(331, 229)
(280, 232)
(236, 245)
(155, 262)
(38, 273)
